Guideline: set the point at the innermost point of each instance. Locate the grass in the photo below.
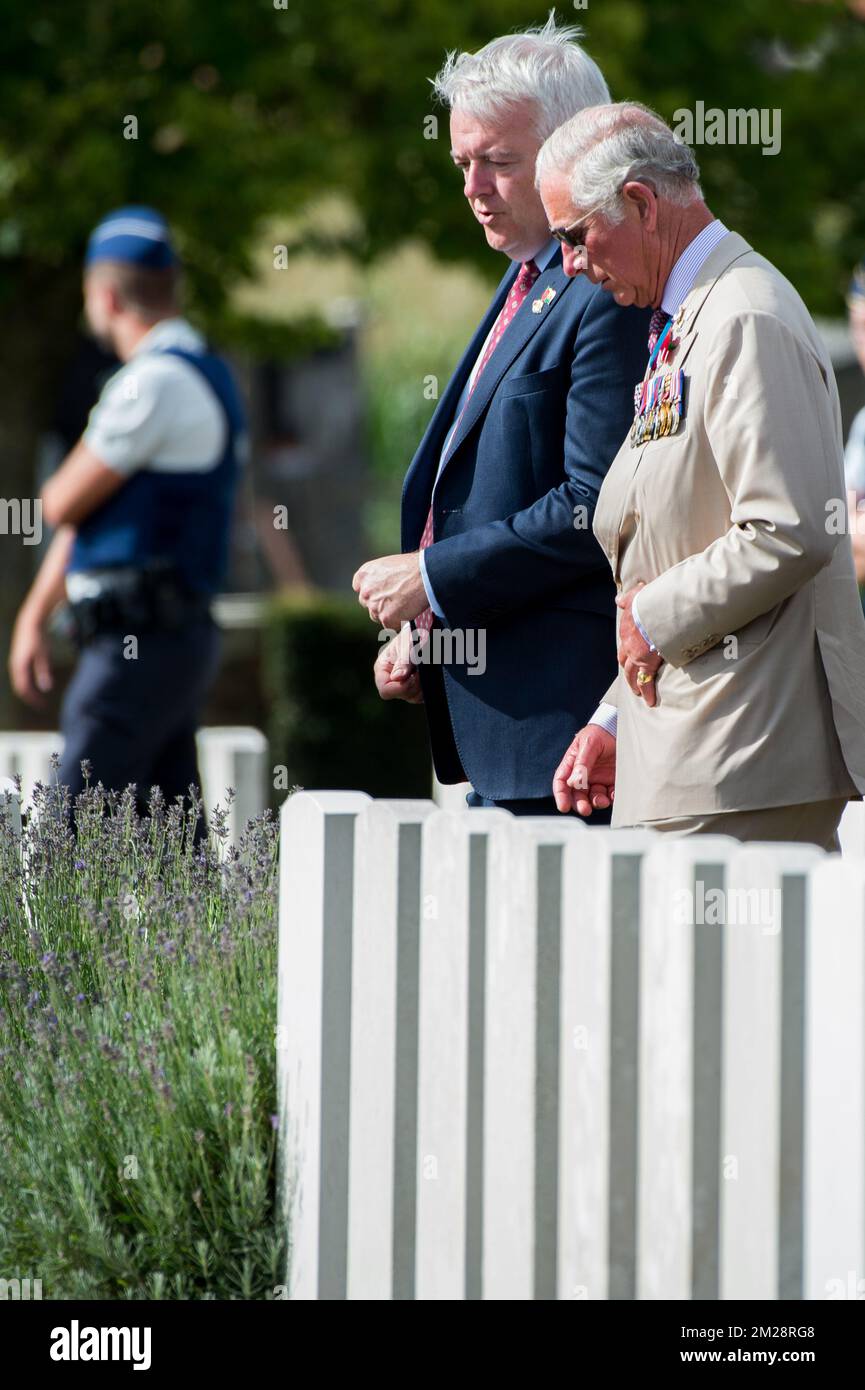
(137, 1063)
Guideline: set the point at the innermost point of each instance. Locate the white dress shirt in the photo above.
(678, 286)
(541, 259)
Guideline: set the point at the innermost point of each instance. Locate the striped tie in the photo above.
(657, 324)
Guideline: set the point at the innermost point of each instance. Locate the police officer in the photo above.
(142, 508)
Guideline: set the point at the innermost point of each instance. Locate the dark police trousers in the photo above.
(135, 719)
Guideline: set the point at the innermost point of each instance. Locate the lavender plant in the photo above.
(137, 1062)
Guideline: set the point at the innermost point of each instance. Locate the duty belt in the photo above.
(151, 599)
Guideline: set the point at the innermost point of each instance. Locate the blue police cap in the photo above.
(137, 235)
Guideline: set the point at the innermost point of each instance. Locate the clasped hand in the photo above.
(391, 589)
(635, 655)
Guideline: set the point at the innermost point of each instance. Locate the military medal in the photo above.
(658, 397)
(658, 402)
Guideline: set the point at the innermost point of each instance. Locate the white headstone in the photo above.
(679, 1067)
(384, 1049)
(762, 1080)
(234, 756)
(451, 1061)
(598, 1063)
(834, 1142)
(851, 831)
(30, 755)
(313, 1036)
(521, 1086)
(450, 796)
(10, 807)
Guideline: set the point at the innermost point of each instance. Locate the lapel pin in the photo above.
(538, 305)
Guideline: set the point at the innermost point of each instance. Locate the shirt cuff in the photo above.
(606, 717)
(114, 451)
(639, 626)
(430, 593)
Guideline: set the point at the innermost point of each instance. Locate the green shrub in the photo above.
(398, 381)
(329, 727)
(137, 1062)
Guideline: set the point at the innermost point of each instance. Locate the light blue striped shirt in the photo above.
(689, 265)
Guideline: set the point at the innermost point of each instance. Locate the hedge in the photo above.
(329, 728)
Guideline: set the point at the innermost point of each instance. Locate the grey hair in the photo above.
(602, 148)
(544, 64)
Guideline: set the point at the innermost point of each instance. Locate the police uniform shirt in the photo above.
(854, 456)
(158, 410)
(158, 415)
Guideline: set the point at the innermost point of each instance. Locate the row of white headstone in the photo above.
(229, 756)
(520, 1059)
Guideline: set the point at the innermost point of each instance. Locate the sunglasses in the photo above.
(573, 236)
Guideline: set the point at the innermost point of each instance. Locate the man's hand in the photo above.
(585, 779)
(29, 663)
(635, 654)
(391, 589)
(396, 675)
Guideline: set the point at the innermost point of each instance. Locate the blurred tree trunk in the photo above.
(39, 313)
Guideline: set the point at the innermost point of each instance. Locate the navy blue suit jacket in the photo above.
(513, 551)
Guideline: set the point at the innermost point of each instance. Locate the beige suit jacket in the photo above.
(738, 525)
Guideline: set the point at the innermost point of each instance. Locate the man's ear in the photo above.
(114, 297)
(643, 199)
(105, 291)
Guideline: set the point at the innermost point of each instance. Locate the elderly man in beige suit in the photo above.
(739, 707)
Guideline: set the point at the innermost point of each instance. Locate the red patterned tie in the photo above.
(519, 289)
(657, 324)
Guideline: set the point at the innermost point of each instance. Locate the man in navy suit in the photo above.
(499, 560)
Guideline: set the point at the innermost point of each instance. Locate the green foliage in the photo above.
(137, 1063)
(273, 338)
(211, 88)
(329, 727)
(245, 109)
(803, 208)
(398, 412)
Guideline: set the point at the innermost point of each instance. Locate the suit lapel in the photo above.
(716, 264)
(521, 328)
(422, 469)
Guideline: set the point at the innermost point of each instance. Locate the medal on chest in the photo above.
(659, 397)
(658, 405)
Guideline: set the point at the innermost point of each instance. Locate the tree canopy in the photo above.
(222, 114)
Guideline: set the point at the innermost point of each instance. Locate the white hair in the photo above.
(544, 64)
(603, 147)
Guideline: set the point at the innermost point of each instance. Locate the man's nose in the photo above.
(574, 261)
(479, 180)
